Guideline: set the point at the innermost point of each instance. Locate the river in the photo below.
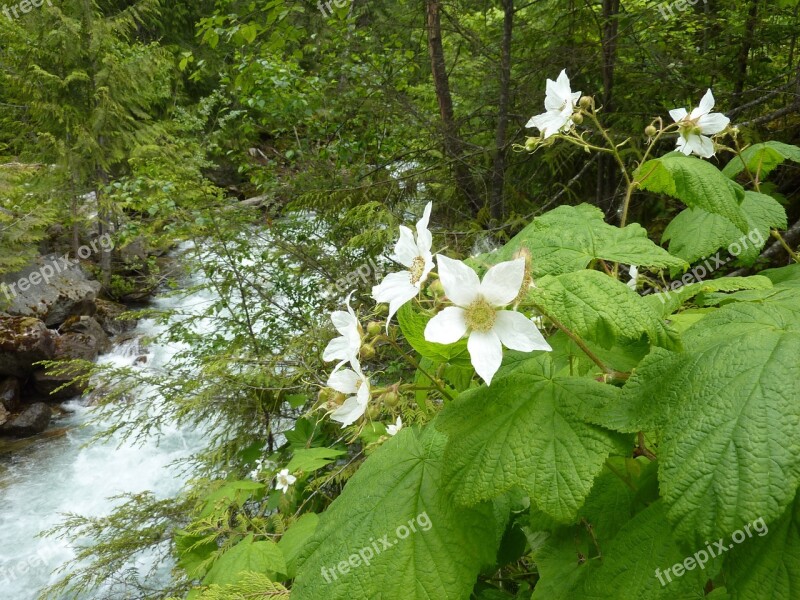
(61, 474)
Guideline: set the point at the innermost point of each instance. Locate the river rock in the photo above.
(10, 393)
(24, 341)
(108, 314)
(34, 419)
(51, 288)
(83, 339)
(87, 327)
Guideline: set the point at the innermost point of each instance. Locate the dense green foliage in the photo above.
(664, 418)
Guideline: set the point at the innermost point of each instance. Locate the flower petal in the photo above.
(683, 146)
(405, 251)
(340, 348)
(344, 381)
(363, 393)
(516, 331)
(701, 145)
(460, 282)
(502, 282)
(447, 327)
(678, 114)
(349, 412)
(549, 123)
(705, 106)
(713, 123)
(344, 322)
(396, 289)
(424, 238)
(486, 353)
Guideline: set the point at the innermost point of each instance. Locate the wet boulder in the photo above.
(92, 334)
(52, 288)
(34, 419)
(84, 339)
(108, 315)
(10, 391)
(24, 341)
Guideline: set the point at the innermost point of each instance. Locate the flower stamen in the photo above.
(480, 316)
(417, 269)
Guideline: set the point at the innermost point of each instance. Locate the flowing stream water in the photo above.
(59, 475)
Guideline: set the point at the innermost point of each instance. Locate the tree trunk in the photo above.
(607, 177)
(496, 203)
(453, 144)
(744, 51)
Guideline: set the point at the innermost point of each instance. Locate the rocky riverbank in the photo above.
(53, 318)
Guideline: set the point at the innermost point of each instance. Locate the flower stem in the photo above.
(582, 345)
(417, 366)
(776, 234)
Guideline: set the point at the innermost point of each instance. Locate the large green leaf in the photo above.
(396, 486)
(598, 307)
(616, 548)
(311, 459)
(668, 302)
(696, 234)
(696, 183)
(729, 408)
(261, 557)
(294, 539)
(762, 159)
(231, 493)
(767, 564)
(568, 238)
(528, 429)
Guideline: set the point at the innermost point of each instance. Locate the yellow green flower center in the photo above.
(481, 316)
(690, 127)
(417, 268)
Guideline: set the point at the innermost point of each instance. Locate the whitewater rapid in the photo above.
(60, 475)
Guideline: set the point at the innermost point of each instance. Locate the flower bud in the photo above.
(586, 102)
(374, 328)
(390, 398)
(338, 398)
(436, 287)
(373, 412)
(531, 143)
(324, 395)
(367, 351)
(650, 131)
(577, 118)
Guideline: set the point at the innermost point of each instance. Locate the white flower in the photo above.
(693, 125)
(560, 103)
(393, 428)
(260, 465)
(344, 348)
(415, 254)
(478, 311)
(634, 273)
(284, 480)
(350, 381)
